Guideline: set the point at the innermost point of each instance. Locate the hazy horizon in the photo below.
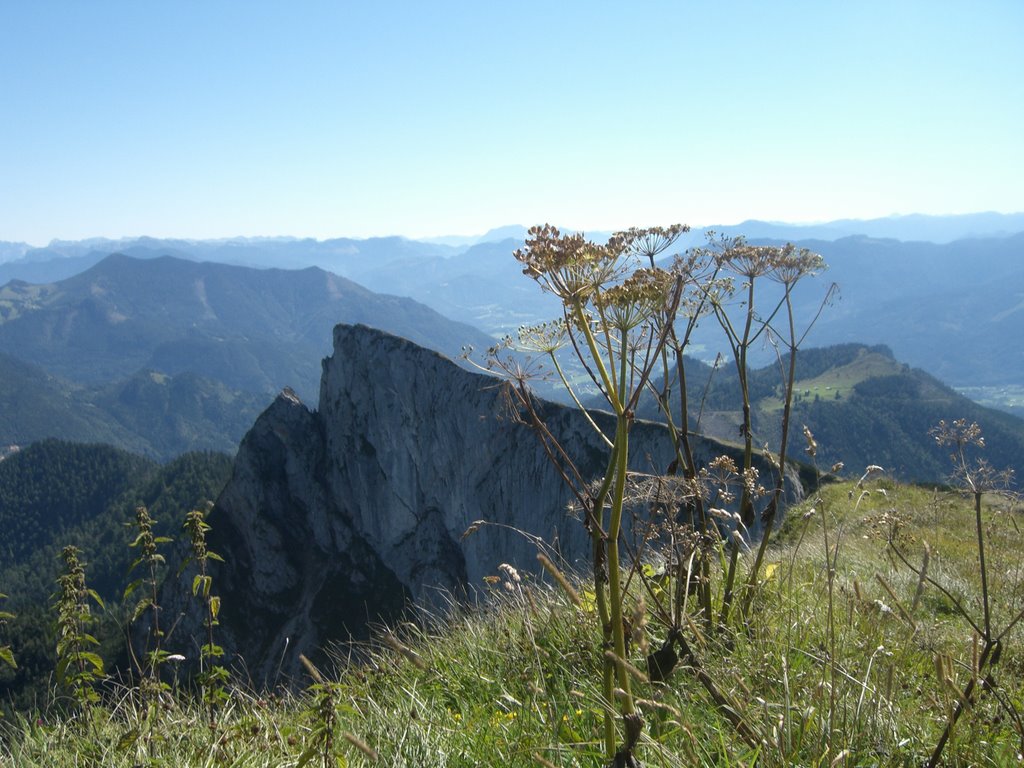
(471, 235)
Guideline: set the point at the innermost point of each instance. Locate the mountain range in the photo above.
(165, 355)
(160, 353)
(254, 329)
(944, 293)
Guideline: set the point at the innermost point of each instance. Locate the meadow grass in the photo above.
(853, 664)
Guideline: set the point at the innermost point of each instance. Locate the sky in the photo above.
(328, 119)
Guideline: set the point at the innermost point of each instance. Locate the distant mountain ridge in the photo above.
(61, 258)
(255, 330)
(163, 355)
(951, 309)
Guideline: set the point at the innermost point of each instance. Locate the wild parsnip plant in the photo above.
(79, 666)
(612, 313)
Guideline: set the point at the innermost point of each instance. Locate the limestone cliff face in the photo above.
(338, 517)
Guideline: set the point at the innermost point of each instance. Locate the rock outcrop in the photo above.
(336, 518)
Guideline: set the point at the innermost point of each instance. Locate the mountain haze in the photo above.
(152, 414)
(254, 330)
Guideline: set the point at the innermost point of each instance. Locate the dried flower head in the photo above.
(633, 301)
(546, 337)
(569, 266)
(647, 243)
(958, 434)
(812, 444)
(789, 264)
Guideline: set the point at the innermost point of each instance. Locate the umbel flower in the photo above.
(566, 265)
(633, 301)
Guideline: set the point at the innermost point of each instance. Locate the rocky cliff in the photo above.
(337, 517)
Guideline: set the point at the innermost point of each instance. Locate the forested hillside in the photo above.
(56, 493)
(149, 413)
(863, 406)
(162, 355)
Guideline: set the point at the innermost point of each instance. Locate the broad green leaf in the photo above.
(305, 757)
(131, 588)
(94, 660)
(7, 657)
(211, 651)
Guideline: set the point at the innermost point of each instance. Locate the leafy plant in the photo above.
(613, 316)
(323, 708)
(150, 562)
(79, 667)
(212, 676)
(624, 316)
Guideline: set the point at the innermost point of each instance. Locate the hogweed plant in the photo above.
(745, 325)
(624, 318)
(612, 307)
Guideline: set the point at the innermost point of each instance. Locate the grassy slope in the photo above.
(840, 674)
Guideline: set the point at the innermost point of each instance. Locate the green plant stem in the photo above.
(576, 400)
(599, 562)
(776, 500)
(614, 575)
(982, 566)
(595, 353)
(965, 700)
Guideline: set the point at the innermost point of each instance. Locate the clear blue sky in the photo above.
(322, 119)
